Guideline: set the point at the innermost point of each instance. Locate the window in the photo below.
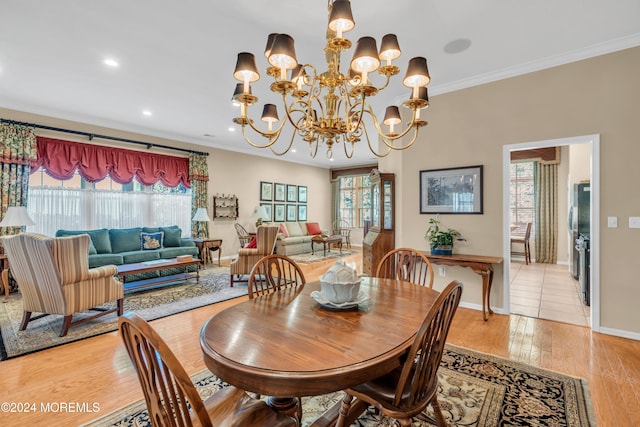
(76, 204)
(355, 200)
(522, 194)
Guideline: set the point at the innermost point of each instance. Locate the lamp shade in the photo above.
(201, 215)
(246, 69)
(365, 58)
(341, 18)
(259, 212)
(417, 73)
(16, 216)
(267, 49)
(270, 113)
(389, 48)
(392, 115)
(283, 53)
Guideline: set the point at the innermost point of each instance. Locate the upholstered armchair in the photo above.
(248, 257)
(53, 276)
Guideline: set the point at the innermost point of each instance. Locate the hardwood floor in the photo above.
(97, 370)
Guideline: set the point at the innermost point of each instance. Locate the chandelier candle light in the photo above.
(329, 107)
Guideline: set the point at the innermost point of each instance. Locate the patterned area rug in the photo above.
(308, 257)
(474, 390)
(152, 304)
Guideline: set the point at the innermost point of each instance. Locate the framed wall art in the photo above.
(451, 191)
(280, 194)
(302, 212)
(279, 212)
(302, 194)
(292, 193)
(291, 213)
(266, 191)
(268, 209)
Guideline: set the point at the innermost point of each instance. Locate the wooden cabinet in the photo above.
(225, 206)
(381, 236)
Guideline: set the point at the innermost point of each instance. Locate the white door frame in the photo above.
(594, 140)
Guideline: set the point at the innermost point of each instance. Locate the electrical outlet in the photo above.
(612, 222)
(634, 222)
(443, 271)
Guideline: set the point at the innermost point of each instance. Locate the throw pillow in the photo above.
(283, 230)
(253, 243)
(151, 241)
(313, 228)
(172, 236)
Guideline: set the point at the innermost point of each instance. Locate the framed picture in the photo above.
(302, 194)
(278, 212)
(266, 191)
(280, 194)
(292, 195)
(302, 212)
(291, 212)
(451, 191)
(269, 210)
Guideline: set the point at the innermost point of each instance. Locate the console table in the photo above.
(482, 265)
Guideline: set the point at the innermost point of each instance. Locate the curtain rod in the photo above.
(95, 135)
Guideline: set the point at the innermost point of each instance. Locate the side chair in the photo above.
(523, 240)
(169, 392)
(406, 391)
(406, 264)
(273, 273)
(243, 235)
(54, 277)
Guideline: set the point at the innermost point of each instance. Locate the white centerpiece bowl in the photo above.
(340, 284)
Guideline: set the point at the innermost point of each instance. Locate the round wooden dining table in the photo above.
(287, 345)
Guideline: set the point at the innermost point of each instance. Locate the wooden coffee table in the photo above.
(326, 241)
(147, 266)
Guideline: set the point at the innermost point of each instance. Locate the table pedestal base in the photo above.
(290, 406)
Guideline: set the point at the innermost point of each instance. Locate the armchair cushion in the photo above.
(253, 243)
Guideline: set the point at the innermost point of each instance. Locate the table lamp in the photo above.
(16, 216)
(259, 214)
(200, 217)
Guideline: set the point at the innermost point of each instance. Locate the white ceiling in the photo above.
(177, 57)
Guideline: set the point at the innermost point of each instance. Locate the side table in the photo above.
(5, 275)
(206, 246)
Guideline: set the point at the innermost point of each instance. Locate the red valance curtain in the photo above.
(94, 162)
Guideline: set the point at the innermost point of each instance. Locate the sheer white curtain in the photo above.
(55, 208)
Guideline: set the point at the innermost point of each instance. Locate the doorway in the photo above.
(555, 274)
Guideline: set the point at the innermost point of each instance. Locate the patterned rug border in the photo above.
(149, 313)
(489, 412)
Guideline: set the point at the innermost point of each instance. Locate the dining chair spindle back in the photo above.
(406, 264)
(405, 392)
(273, 273)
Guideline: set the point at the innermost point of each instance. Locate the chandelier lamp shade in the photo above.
(331, 106)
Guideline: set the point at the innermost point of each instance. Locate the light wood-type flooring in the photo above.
(97, 370)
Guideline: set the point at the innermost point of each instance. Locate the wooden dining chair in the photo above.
(169, 392)
(523, 240)
(405, 392)
(243, 235)
(273, 273)
(406, 264)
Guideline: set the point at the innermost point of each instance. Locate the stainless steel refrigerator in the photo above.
(579, 221)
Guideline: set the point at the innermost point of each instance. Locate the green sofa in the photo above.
(123, 246)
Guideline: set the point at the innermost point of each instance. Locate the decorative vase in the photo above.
(441, 249)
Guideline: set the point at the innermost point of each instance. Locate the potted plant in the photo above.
(441, 241)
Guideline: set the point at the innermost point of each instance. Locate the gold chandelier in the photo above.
(329, 107)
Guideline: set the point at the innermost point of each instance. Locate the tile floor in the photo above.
(547, 291)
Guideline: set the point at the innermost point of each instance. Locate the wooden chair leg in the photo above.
(344, 409)
(120, 307)
(65, 325)
(26, 316)
(231, 280)
(438, 413)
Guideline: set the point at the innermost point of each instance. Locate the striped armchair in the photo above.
(53, 276)
(248, 257)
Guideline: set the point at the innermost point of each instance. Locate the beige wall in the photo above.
(470, 127)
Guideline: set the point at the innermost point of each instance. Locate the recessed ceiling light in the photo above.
(147, 112)
(293, 150)
(111, 62)
(457, 45)
(331, 159)
(231, 129)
